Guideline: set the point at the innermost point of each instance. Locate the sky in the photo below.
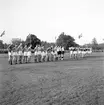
(47, 19)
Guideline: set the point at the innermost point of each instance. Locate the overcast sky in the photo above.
(48, 18)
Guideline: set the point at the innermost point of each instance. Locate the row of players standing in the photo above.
(77, 52)
(50, 54)
(20, 54)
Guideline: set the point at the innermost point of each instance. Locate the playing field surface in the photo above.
(68, 82)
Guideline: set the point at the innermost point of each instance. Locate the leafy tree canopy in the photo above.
(1, 44)
(17, 41)
(94, 43)
(33, 40)
(66, 41)
(47, 44)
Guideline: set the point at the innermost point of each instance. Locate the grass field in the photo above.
(68, 82)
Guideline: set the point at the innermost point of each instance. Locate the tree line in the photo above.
(63, 40)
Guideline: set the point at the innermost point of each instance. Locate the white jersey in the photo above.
(62, 49)
(75, 51)
(71, 51)
(58, 49)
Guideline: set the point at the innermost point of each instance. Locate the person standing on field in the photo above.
(62, 53)
(29, 53)
(20, 53)
(15, 56)
(10, 52)
(25, 53)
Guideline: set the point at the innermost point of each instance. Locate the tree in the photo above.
(47, 44)
(1, 44)
(33, 40)
(66, 41)
(94, 44)
(5, 45)
(17, 41)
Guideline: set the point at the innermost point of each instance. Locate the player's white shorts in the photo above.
(25, 53)
(20, 53)
(79, 52)
(54, 54)
(29, 53)
(83, 53)
(9, 53)
(35, 53)
(15, 54)
(39, 53)
(75, 52)
(43, 54)
(71, 52)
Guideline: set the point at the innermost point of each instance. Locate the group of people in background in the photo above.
(77, 52)
(24, 54)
